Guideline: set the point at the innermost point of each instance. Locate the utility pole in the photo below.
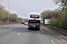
(8, 18)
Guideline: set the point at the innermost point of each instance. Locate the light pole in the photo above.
(8, 18)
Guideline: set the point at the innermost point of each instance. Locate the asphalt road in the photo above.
(19, 34)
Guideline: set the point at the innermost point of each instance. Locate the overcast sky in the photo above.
(24, 7)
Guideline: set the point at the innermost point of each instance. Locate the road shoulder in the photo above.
(64, 38)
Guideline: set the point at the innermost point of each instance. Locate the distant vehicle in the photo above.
(26, 23)
(22, 22)
(46, 21)
(34, 21)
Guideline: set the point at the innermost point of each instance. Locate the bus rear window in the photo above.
(34, 16)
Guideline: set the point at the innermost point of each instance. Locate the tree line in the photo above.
(57, 17)
(6, 16)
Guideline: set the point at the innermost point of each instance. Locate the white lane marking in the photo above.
(19, 33)
(53, 41)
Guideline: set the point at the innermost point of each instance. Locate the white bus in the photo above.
(34, 21)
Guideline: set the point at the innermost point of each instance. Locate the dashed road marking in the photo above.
(19, 33)
(53, 41)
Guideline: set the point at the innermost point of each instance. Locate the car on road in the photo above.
(22, 22)
(26, 23)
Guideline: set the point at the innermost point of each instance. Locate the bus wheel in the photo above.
(29, 28)
(38, 29)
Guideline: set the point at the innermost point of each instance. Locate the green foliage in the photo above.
(61, 20)
(65, 17)
(13, 17)
(52, 22)
(57, 21)
(64, 5)
(7, 16)
(57, 18)
(3, 14)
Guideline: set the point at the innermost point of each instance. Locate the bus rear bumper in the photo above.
(31, 28)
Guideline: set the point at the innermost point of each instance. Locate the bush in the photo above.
(57, 22)
(65, 19)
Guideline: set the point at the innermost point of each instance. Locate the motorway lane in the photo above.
(19, 34)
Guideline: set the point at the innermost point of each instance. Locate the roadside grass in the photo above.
(6, 23)
(58, 30)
